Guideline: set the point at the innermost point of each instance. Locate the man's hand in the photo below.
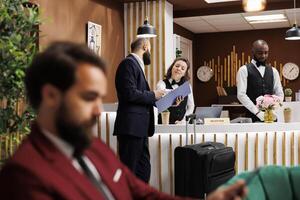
(275, 115)
(179, 121)
(261, 116)
(233, 192)
(159, 93)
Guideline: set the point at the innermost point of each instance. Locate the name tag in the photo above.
(216, 121)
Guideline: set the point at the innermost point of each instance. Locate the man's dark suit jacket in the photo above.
(135, 110)
(39, 171)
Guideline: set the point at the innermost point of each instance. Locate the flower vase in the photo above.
(269, 117)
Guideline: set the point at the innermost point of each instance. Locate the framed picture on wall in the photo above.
(94, 37)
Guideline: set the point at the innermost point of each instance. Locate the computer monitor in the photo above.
(208, 112)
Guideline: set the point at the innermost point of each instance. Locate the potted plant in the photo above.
(178, 53)
(19, 21)
(288, 94)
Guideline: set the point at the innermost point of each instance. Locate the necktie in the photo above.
(97, 183)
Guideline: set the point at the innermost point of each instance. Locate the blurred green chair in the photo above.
(272, 183)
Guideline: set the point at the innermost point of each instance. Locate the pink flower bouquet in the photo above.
(268, 102)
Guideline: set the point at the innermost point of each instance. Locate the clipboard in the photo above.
(167, 101)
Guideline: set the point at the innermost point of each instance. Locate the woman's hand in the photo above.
(178, 101)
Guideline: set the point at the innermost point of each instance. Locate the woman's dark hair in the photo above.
(186, 77)
(57, 66)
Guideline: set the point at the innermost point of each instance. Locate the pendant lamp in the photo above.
(294, 32)
(146, 30)
(254, 5)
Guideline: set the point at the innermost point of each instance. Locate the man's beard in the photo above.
(75, 135)
(147, 58)
(260, 62)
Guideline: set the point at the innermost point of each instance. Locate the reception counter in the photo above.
(255, 145)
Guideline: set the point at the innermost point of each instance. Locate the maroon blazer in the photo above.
(38, 170)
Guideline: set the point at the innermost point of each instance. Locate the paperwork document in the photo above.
(167, 101)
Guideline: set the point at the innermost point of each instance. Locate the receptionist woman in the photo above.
(177, 74)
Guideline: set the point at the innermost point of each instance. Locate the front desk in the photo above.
(255, 145)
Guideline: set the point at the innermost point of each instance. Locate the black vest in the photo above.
(258, 85)
(176, 113)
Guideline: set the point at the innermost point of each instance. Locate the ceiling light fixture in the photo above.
(268, 21)
(146, 30)
(266, 18)
(254, 5)
(294, 32)
(219, 1)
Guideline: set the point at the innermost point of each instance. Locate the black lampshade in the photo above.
(293, 33)
(146, 30)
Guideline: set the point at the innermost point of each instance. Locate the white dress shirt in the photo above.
(140, 61)
(161, 85)
(68, 151)
(241, 80)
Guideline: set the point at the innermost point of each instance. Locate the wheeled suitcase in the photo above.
(201, 168)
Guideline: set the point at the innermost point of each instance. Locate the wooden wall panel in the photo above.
(66, 20)
(209, 46)
(135, 13)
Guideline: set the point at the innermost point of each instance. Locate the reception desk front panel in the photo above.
(255, 145)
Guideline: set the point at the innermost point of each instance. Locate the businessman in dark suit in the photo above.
(135, 119)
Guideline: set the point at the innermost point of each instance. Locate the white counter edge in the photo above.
(232, 128)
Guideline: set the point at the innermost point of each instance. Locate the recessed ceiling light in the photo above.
(266, 18)
(268, 21)
(218, 1)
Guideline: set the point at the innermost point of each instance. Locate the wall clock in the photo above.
(204, 73)
(290, 71)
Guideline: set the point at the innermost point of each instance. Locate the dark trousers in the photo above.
(134, 153)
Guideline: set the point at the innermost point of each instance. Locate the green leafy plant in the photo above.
(19, 21)
(288, 92)
(287, 109)
(178, 53)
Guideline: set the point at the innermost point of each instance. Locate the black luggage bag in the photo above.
(201, 168)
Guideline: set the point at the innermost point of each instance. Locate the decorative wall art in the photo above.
(94, 37)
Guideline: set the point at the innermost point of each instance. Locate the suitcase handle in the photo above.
(192, 117)
(209, 145)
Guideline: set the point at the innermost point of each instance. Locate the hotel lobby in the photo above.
(213, 35)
